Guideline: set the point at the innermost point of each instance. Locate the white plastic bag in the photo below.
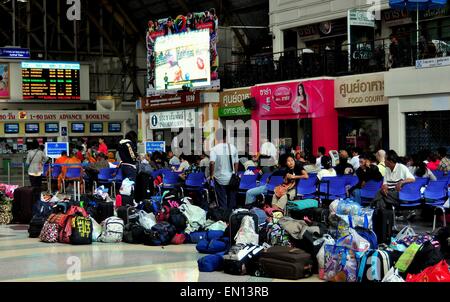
(247, 233)
(96, 230)
(326, 239)
(354, 241)
(127, 187)
(405, 232)
(147, 220)
(393, 276)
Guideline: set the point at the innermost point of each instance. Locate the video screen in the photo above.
(78, 127)
(183, 60)
(11, 128)
(31, 128)
(96, 127)
(115, 127)
(51, 128)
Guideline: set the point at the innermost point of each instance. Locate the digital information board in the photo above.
(50, 81)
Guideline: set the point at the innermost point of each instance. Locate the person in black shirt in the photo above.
(128, 154)
(344, 167)
(367, 171)
(292, 174)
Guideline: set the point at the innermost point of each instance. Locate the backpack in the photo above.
(40, 217)
(178, 220)
(160, 234)
(66, 231)
(112, 230)
(133, 233)
(164, 214)
(82, 229)
(374, 265)
(369, 235)
(52, 227)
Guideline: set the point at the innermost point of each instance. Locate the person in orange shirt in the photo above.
(71, 164)
(62, 159)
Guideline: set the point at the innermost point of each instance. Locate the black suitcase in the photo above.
(144, 187)
(36, 225)
(128, 214)
(103, 210)
(286, 263)
(23, 204)
(383, 223)
(235, 222)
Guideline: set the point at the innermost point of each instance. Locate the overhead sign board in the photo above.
(53, 150)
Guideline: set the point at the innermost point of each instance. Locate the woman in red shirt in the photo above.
(102, 147)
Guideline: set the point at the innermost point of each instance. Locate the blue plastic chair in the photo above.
(350, 180)
(306, 188)
(370, 190)
(56, 171)
(274, 182)
(264, 178)
(75, 175)
(170, 180)
(439, 174)
(332, 188)
(410, 194)
(248, 182)
(196, 182)
(435, 196)
(422, 181)
(105, 177)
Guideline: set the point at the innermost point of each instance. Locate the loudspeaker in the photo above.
(250, 103)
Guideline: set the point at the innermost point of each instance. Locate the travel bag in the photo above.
(383, 223)
(242, 259)
(24, 201)
(286, 263)
(235, 222)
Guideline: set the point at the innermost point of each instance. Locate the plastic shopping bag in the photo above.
(325, 240)
(436, 273)
(393, 276)
(341, 264)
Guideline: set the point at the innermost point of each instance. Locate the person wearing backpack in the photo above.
(35, 161)
(128, 154)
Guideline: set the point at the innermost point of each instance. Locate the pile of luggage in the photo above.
(341, 243)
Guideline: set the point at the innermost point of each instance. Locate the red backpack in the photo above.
(66, 231)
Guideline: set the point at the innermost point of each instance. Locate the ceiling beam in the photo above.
(109, 39)
(131, 29)
(58, 27)
(23, 25)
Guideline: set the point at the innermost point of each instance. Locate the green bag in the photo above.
(299, 205)
(407, 257)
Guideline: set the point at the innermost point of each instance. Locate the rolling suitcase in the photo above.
(383, 223)
(24, 200)
(286, 263)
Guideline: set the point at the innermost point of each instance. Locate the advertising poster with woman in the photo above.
(4, 80)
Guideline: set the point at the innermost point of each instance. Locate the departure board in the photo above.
(50, 81)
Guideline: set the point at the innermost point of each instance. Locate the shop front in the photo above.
(419, 109)
(363, 112)
(296, 115)
(166, 117)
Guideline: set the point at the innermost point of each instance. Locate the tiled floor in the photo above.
(25, 259)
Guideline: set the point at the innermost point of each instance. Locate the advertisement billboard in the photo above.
(183, 60)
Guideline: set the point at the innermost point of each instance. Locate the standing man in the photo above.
(224, 162)
(268, 155)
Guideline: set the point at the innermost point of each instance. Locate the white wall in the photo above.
(414, 90)
(285, 14)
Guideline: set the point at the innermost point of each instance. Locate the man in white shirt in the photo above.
(355, 159)
(204, 164)
(224, 162)
(269, 153)
(320, 153)
(397, 175)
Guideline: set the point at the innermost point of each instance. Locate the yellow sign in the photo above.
(360, 91)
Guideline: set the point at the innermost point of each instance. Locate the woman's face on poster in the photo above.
(300, 90)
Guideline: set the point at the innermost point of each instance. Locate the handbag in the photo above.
(235, 181)
(281, 190)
